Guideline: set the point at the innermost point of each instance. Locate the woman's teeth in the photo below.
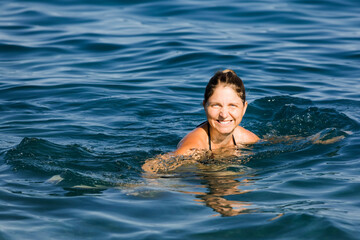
(224, 122)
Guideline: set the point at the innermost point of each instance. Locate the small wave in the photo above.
(73, 164)
(286, 115)
(44, 156)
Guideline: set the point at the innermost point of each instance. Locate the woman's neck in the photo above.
(219, 140)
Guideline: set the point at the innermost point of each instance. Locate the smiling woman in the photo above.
(225, 105)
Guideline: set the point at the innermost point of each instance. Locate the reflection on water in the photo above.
(218, 186)
(222, 185)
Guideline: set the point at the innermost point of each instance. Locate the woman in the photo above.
(225, 105)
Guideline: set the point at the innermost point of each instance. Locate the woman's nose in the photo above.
(223, 113)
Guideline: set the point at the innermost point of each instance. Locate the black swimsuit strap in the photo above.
(209, 137)
(234, 140)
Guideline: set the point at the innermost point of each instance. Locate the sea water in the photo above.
(89, 90)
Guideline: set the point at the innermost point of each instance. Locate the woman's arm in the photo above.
(196, 139)
(182, 155)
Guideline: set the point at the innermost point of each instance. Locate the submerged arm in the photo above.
(168, 162)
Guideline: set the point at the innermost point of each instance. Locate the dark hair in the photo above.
(226, 77)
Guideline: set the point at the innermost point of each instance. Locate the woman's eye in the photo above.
(233, 105)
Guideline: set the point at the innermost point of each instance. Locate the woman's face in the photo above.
(224, 109)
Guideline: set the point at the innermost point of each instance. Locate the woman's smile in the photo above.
(223, 126)
(224, 122)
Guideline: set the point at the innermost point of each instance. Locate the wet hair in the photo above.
(228, 78)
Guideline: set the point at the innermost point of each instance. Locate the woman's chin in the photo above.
(225, 129)
(225, 132)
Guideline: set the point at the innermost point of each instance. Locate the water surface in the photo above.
(91, 89)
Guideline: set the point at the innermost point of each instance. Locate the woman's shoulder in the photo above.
(196, 139)
(244, 136)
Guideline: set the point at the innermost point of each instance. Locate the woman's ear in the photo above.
(245, 107)
(204, 103)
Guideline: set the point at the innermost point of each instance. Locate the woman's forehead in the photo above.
(223, 90)
(225, 93)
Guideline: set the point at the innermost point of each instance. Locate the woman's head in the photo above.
(226, 78)
(224, 102)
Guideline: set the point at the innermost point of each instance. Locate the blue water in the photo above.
(89, 90)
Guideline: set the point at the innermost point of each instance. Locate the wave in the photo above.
(287, 115)
(72, 165)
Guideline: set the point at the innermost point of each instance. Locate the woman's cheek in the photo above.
(213, 112)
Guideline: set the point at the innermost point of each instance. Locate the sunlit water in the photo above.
(89, 90)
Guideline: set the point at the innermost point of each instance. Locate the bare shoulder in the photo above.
(244, 136)
(196, 139)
